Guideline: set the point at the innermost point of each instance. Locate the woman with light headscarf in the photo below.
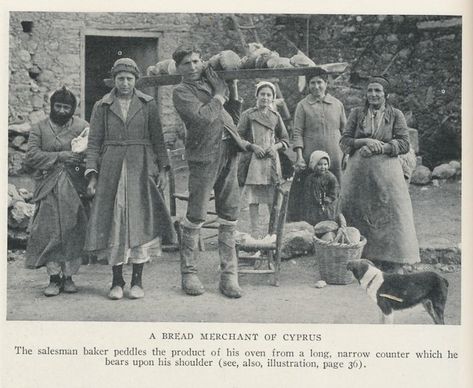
(264, 128)
(374, 196)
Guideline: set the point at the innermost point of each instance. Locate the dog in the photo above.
(398, 292)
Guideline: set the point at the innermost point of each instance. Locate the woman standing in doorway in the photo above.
(126, 164)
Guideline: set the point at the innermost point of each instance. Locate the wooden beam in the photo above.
(163, 80)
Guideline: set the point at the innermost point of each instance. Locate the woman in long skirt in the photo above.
(318, 124)
(374, 195)
(57, 231)
(126, 162)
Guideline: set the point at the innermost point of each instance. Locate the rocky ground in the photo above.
(437, 215)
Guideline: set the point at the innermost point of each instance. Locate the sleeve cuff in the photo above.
(221, 99)
(285, 145)
(89, 170)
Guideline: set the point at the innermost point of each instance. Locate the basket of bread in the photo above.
(335, 244)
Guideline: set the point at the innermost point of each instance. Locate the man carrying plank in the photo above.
(212, 143)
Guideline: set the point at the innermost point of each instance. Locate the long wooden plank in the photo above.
(163, 80)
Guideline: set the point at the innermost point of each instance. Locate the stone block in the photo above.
(398, 18)
(32, 46)
(70, 60)
(404, 53)
(444, 255)
(24, 56)
(443, 23)
(15, 162)
(20, 214)
(37, 116)
(421, 176)
(457, 166)
(20, 128)
(53, 45)
(13, 193)
(297, 240)
(37, 102)
(34, 87)
(444, 171)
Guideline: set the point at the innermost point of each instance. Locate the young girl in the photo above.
(265, 129)
(321, 190)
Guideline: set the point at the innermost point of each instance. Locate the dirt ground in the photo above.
(437, 215)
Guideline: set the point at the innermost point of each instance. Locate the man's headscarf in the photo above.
(63, 96)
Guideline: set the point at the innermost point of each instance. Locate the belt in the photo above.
(127, 142)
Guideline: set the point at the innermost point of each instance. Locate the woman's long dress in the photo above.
(374, 195)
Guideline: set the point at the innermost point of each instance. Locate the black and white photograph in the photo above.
(270, 194)
(245, 168)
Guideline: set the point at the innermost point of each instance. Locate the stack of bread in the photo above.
(337, 232)
(259, 57)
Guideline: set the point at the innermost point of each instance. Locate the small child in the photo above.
(321, 190)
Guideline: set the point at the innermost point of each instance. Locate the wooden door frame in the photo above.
(111, 32)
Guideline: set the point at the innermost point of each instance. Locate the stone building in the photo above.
(421, 55)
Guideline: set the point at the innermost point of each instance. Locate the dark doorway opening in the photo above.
(100, 54)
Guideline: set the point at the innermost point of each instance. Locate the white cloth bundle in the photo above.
(79, 143)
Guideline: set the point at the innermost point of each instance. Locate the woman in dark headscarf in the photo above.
(318, 123)
(126, 162)
(58, 227)
(374, 196)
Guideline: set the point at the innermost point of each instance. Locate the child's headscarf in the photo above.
(315, 158)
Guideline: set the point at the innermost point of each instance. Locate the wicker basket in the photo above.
(333, 259)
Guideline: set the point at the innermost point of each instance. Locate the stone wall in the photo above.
(50, 56)
(420, 54)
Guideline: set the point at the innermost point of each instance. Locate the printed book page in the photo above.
(305, 320)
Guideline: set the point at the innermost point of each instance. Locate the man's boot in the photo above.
(190, 283)
(116, 292)
(228, 260)
(136, 290)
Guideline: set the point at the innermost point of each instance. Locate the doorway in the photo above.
(100, 52)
